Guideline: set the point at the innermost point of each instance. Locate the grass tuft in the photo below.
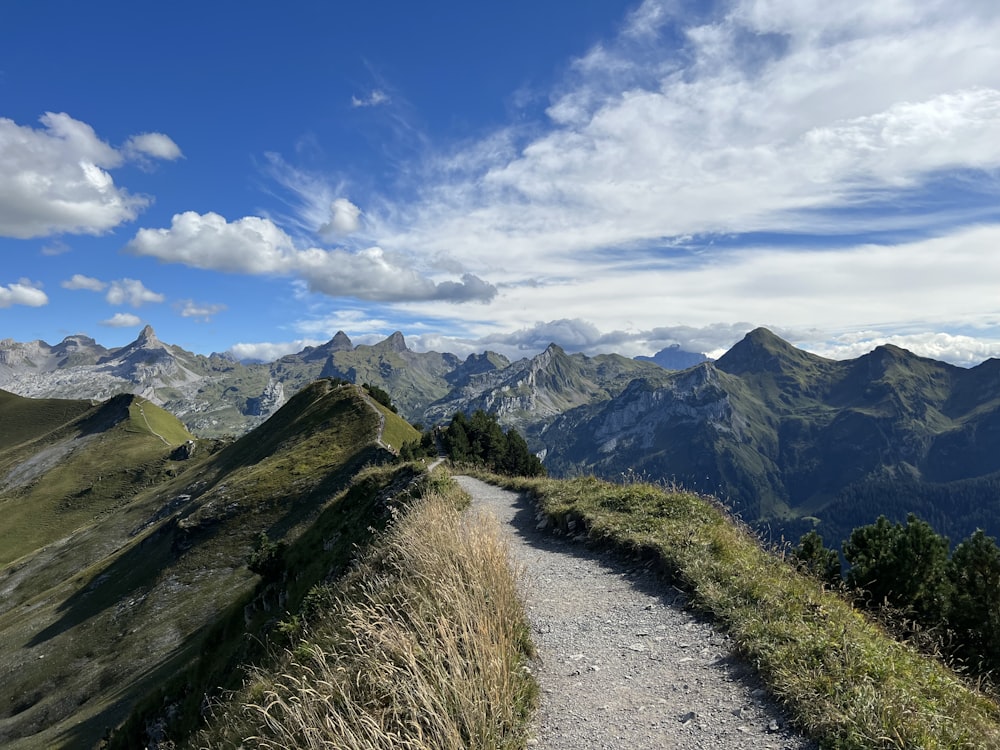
(425, 644)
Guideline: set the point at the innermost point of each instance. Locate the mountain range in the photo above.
(791, 441)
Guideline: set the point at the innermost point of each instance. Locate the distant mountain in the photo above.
(216, 396)
(674, 358)
(530, 392)
(125, 548)
(211, 395)
(792, 440)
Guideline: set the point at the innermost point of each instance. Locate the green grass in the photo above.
(113, 599)
(397, 430)
(26, 419)
(76, 474)
(844, 680)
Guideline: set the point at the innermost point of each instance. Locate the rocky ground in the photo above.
(621, 663)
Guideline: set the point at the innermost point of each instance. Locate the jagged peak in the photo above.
(147, 337)
(395, 343)
(341, 342)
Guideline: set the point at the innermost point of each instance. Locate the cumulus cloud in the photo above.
(962, 350)
(122, 320)
(56, 178)
(265, 351)
(155, 145)
(79, 281)
(580, 335)
(23, 292)
(132, 292)
(255, 245)
(203, 312)
(344, 218)
(374, 99)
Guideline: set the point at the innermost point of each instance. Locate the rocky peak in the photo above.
(395, 342)
(147, 338)
(340, 343)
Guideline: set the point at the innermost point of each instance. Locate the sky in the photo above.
(610, 176)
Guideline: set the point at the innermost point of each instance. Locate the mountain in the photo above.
(528, 393)
(125, 546)
(413, 379)
(212, 395)
(792, 441)
(674, 358)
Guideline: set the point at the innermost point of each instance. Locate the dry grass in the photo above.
(424, 646)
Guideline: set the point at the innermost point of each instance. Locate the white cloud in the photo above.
(374, 99)
(344, 218)
(265, 351)
(23, 292)
(56, 178)
(762, 115)
(962, 350)
(155, 145)
(79, 281)
(203, 312)
(56, 247)
(122, 320)
(255, 245)
(353, 321)
(249, 245)
(132, 292)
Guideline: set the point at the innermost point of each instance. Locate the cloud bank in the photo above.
(56, 179)
(254, 245)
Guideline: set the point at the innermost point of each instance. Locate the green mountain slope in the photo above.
(791, 440)
(79, 471)
(155, 591)
(24, 419)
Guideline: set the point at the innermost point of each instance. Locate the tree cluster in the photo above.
(380, 395)
(480, 440)
(907, 568)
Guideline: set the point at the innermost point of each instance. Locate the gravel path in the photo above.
(621, 663)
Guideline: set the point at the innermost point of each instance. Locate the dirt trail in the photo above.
(621, 663)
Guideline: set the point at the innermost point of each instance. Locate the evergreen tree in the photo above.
(818, 560)
(905, 566)
(480, 439)
(974, 572)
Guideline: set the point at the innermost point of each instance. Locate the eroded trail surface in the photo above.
(621, 664)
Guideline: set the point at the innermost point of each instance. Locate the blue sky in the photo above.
(612, 176)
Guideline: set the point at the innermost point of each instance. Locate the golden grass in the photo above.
(844, 680)
(425, 645)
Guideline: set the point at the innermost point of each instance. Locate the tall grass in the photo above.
(425, 644)
(846, 682)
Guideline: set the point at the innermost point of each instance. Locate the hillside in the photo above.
(72, 473)
(147, 586)
(792, 440)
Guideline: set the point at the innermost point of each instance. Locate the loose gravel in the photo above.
(621, 664)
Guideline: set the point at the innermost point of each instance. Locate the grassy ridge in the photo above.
(118, 604)
(844, 680)
(423, 646)
(78, 472)
(26, 418)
